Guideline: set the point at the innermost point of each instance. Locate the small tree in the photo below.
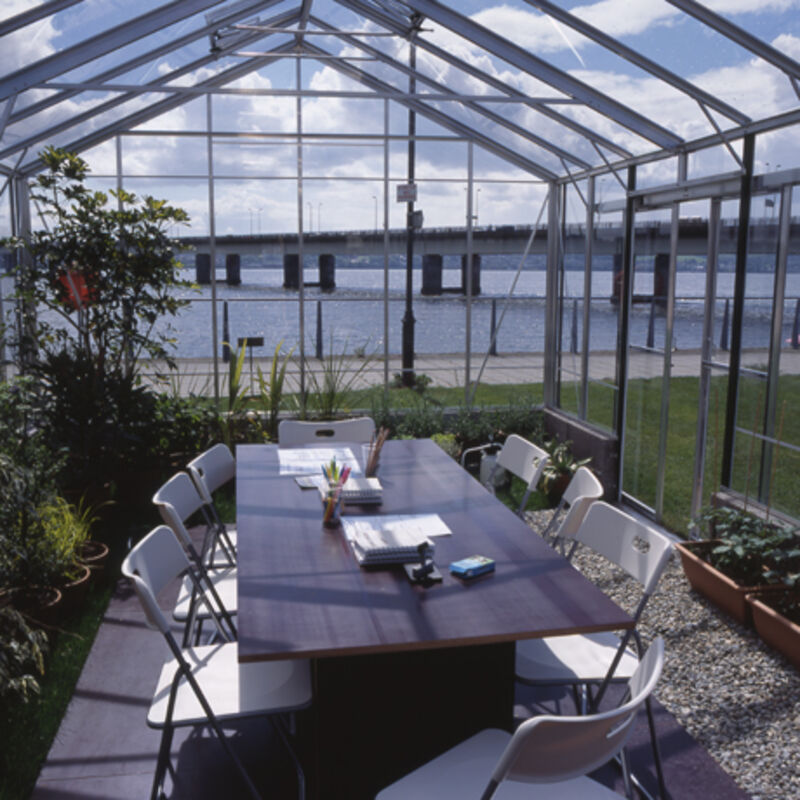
(92, 284)
(107, 274)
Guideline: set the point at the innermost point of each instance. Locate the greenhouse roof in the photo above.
(556, 89)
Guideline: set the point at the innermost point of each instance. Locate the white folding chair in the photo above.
(520, 457)
(596, 659)
(293, 432)
(176, 501)
(546, 757)
(210, 471)
(206, 685)
(582, 490)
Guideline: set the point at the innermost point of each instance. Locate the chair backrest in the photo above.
(582, 491)
(292, 432)
(212, 469)
(177, 500)
(641, 551)
(150, 566)
(524, 459)
(547, 748)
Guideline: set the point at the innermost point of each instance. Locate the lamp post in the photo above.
(319, 217)
(375, 201)
(251, 221)
(310, 218)
(477, 203)
(258, 229)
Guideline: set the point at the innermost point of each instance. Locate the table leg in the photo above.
(377, 717)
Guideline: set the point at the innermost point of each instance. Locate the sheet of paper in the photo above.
(309, 461)
(411, 527)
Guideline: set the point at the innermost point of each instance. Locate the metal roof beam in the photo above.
(442, 119)
(537, 104)
(34, 15)
(154, 110)
(641, 61)
(541, 69)
(101, 44)
(145, 58)
(492, 116)
(740, 36)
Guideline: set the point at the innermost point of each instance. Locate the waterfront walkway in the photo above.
(196, 375)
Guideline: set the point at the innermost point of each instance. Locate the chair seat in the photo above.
(581, 658)
(232, 689)
(224, 581)
(463, 772)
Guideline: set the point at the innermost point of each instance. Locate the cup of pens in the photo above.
(372, 453)
(336, 477)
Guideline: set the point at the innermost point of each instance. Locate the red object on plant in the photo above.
(79, 295)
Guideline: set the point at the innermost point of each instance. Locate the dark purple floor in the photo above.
(105, 750)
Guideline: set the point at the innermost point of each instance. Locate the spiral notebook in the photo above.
(392, 539)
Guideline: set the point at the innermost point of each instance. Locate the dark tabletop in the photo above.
(302, 593)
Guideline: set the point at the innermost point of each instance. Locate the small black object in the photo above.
(425, 571)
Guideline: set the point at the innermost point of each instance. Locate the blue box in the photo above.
(472, 566)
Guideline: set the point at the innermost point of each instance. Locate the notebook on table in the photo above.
(392, 539)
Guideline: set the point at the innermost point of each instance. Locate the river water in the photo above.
(353, 314)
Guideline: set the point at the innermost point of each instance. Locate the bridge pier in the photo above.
(431, 274)
(327, 272)
(202, 268)
(233, 269)
(291, 271)
(476, 273)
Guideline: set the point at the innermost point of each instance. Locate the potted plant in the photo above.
(742, 554)
(22, 651)
(559, 469)
(776, 618)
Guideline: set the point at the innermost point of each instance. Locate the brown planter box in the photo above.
(713, 584)
(774, 629)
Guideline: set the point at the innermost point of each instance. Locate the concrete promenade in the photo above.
(196, 375)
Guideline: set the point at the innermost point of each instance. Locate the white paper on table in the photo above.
(408, 527)
(309, 461)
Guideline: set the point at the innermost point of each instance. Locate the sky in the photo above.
(255, 191)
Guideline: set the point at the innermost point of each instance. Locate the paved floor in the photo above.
(105, 750)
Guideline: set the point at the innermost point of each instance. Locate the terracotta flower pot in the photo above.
(713, 584)
(39, 604)
(93, 554)
(774, 629)
(73, 592)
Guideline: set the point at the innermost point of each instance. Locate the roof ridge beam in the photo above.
(501, 86)
(539, 68)
(100, 44)
(740, 36)
(492, 116)
(439, 117)
(639, 60)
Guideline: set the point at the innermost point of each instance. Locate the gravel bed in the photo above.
(735, 696)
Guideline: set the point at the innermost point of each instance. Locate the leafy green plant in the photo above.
(330, 389)
(271, 389)
(448, 443)
(22, 651)
(751, 550)
(561, 466)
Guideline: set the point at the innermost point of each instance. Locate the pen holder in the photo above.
(332, 509)
(370, 464)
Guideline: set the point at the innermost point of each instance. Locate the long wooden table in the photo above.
(401, 671)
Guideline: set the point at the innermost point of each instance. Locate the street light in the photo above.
(251, 221)
(319, 217)
(259, 220)
(477, 203)
(375, 201)
(310, 218)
